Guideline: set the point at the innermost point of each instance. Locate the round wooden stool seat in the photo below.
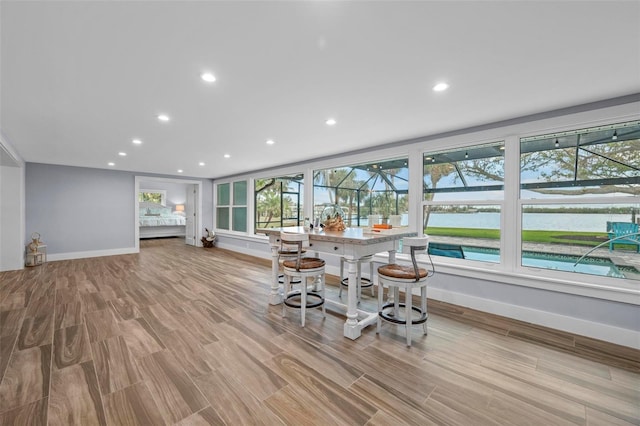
(403, 272)
(284, 254)
(305, 263)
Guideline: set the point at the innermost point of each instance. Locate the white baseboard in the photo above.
(249, 252)
(92, 253)
(608, 333)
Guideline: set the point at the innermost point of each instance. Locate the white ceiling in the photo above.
(80, 80)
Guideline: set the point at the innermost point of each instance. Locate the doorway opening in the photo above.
(166, 207)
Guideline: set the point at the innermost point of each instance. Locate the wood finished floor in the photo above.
(181, 335)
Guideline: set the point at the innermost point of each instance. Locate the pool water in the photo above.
(590, 265)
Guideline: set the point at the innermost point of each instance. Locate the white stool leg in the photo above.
(371, 276)
(380, 292)
(324, 312)
(341, 275)
(303, 300)
(286, 290)
(396, 300)
(423, 296)
(408, 316)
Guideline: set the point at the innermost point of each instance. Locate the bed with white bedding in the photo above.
(156, 220)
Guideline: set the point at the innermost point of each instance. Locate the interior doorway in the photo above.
(180, 197)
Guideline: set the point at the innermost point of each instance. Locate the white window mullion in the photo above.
(510, 233)
(415, 191)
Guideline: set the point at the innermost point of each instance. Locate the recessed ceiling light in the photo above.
(163, 117)
(331, 122)
(227, 156)
(180, 170)
(111, 164)
(136, 141)
(122, 154)
(201, 164)
(440, 87)
(208, 77)
(270, 142)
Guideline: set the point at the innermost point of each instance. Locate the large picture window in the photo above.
(463, 194)
(580, 201)
(278, 201)
(375, 191)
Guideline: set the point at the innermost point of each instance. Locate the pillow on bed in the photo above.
(155, 211)
(161, 211)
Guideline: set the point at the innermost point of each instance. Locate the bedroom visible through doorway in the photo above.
(167, 207)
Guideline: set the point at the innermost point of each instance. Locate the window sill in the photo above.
(616, 290)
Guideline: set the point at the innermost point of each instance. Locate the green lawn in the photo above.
(590, 239)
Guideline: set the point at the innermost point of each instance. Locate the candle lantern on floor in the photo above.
(35, 251)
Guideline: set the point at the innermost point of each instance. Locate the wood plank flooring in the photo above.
(178, 335)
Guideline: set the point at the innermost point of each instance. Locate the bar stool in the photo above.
(302, 268)
(363, 282)
(395, 277)
(287, 253)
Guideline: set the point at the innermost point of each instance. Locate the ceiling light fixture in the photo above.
(208, 77)
(122, 154)
(615, 135)
(111, 164)
(201, 164)
(440, 87)
(270, 142)
(137, 141)
(466, 155)
(331, 122)
(163, 117)
(227, 156)
(557, 144)
(180, 170)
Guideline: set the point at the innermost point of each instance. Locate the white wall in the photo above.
(11, 218)
(12, 208)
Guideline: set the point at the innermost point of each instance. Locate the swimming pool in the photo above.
(601, 266)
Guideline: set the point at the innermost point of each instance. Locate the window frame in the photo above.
(501, 202)
(511, 131)
(300, 197)
(231, 205)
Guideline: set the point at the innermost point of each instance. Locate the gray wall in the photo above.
(77, 209)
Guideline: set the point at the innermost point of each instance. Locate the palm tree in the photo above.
(269, 205)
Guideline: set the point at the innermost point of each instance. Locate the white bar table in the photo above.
(352, 244)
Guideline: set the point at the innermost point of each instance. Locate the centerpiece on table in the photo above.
(332, 218)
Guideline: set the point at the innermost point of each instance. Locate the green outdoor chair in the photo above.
(623, 233)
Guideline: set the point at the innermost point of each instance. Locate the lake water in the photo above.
(542, 221)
